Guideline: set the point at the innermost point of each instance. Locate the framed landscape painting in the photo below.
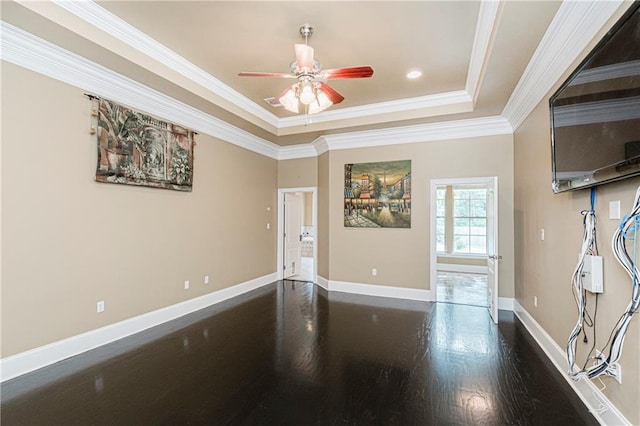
(377, 195)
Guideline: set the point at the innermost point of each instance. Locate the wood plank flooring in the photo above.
(290, 354)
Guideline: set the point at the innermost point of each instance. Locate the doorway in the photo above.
(464, 242)
(297, 236)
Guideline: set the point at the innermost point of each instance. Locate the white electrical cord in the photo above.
(628, 230)
(588, 248)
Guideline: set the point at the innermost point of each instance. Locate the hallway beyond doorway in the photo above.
(306, 271)
(462, 288)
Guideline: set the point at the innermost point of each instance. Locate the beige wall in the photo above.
(544, 268)
(307, 220)
(298, 173)
(323, 239)
(69, 241)
(401, 256)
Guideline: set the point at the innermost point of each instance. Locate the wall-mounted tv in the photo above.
(595, 114)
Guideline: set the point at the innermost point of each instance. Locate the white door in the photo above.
(293, 209)
(493, 258)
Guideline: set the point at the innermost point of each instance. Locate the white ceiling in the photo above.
(472, 55)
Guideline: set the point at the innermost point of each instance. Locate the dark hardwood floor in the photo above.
(289, 354)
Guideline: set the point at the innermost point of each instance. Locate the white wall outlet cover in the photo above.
(206, 279)
(186, 284)
(614, 209)
(100, 306)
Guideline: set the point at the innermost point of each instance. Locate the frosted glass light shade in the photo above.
(306, 94)
(321, 103)
(289, 101)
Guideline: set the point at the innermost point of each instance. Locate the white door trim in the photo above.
(280, 229)
(433, 263)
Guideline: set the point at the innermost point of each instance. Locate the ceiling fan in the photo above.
(311, 90)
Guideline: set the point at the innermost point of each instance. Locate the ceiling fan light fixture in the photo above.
(321, 103)
(311, 89)
(289, 100)
(307, 95)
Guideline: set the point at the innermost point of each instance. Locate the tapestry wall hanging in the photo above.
(377, 195)
(136, 149)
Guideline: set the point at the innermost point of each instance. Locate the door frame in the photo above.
(491, 182)
(280, 229)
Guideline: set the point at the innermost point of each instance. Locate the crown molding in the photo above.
(111, 24)
(26, 50)
(574, 26)
(475, 127)
(455, 102)
(320, 145)
(488, 19)
(459, 129)
(292, 152)
(460, 98)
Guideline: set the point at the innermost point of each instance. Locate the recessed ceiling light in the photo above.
(414, 74)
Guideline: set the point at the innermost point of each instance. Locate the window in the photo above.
(469, 220)
(441, 219)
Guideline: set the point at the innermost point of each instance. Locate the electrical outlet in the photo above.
(535, 301)
(100, 306)
(542, 234)
(206, 279)
(186, 285)
(374, 272)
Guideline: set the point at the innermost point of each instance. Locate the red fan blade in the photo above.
(333, 96)
(265, 74)
(304, 56)
(350, 72)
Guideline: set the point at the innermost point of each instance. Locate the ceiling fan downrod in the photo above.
(306, 30)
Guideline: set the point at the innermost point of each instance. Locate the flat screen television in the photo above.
(595, 114)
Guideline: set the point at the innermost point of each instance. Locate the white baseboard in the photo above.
(584, 388)
(454, 267)
(379, 290)
(42, 356)
(322, 282)
(505, 303)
